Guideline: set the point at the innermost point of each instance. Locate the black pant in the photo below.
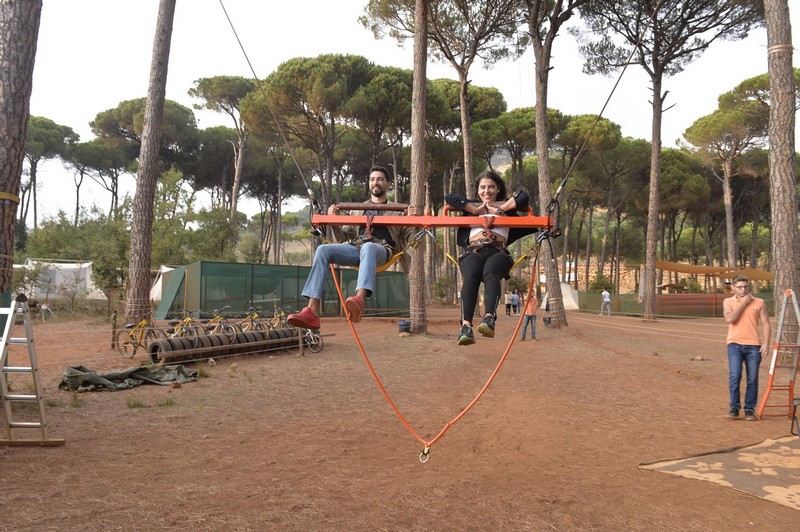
(489, 265)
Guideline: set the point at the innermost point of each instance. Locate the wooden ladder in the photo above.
(784, 358)
(24, 412)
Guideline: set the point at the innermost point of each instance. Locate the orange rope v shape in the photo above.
(427, 444)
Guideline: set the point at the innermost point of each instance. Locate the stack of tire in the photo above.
(180, 349)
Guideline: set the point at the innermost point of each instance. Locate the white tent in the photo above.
(569, 296)
(157, 288)
(64, 276)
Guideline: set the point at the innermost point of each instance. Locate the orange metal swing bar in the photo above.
(539, 222)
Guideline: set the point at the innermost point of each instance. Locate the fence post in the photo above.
(114, 330)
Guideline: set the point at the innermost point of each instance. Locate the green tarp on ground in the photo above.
(82, 379)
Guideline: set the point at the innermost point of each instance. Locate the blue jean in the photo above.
(750, 357)
(368, 258)
(605, 305)
(525, 321)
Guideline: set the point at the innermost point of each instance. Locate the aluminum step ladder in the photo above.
(783, 368)
(24, 411)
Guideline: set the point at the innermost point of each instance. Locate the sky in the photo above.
(94, 54)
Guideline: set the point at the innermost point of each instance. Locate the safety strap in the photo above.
(368, 227)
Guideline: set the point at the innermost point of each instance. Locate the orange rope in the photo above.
(427, 444)
(369, 364)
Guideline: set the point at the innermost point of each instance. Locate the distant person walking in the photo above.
(515, 302)
(530, 317)
(606, 304)
(507, 299)
(744, 313)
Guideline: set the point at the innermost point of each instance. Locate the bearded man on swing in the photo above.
(362, 246)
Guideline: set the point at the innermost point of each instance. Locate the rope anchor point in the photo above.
(425, 455)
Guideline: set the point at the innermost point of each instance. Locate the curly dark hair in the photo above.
(502, 193)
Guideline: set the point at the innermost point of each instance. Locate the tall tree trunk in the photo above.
(653, 206)
(601, 263)
(278, 222)
(727, 200)
(416, 278)
(19, 30)
(398, 192)
(617, 252)
(466, 131)
(237, 173)
(542, 50)
(785, 241)
(566, 234)
(34, 174)
(138, 292)
(430, 249)
(78, 180)
(754, 244)
(588, 248)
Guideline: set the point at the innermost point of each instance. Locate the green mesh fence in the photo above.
(206, 286)
(667, 305)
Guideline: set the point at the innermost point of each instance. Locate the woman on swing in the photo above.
(486, 258)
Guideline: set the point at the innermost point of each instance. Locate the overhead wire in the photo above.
(312, 197)
(563, 183)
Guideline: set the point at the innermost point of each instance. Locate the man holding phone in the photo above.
(744, 313)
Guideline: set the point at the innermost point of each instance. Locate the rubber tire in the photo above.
(204, 340)
(156, 349)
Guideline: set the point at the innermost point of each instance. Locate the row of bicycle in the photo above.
(140, 335)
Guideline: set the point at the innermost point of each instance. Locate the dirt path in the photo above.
(285, 442)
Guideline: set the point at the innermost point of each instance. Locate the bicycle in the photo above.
(184, 328)
(278, 320)
(313, 340)
(135, 335)
(219, 325)
(251, 322)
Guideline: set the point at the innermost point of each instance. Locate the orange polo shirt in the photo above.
(745, 330)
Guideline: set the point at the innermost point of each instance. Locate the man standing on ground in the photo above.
(367, 250)
(530, 317)
(744, 313)
(606, 304)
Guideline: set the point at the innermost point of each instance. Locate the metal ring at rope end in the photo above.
(425, 454)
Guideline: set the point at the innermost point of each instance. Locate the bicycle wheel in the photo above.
(126, 342)
(230, 332)
(313, 340)
(151, 336)
(190, 333)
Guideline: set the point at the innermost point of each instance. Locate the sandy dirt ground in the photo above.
(280, 441)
